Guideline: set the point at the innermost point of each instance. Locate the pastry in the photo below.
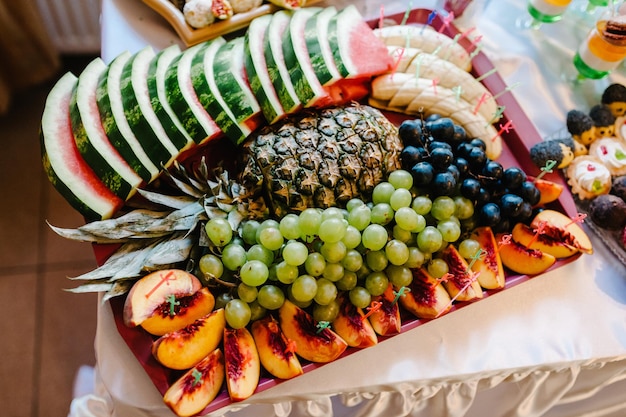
(588, 177)
(612, 153)
(619, 187)
(608, 211)
(603, 120)
(582, 128)
(614, 96)
(559, 150)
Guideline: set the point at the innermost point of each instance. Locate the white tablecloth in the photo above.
(553, 346)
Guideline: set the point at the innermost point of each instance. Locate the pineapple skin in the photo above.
(320, 158)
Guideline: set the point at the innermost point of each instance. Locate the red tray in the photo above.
(517, 143)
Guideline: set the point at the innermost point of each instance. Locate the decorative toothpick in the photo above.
(507, 89)
(475, 41)
(445, 277)
(321, 325)
(466, 33)
(473, 277)
(373, 307)
(504, 240)
(447, 19)
(405, 18)
(418, 65)
(171, 299)
(165, 279)
(400, 293)
(540, 228)
(381, 19)
(487, 74)
(429, 20)
(475, 52)
(497, 115)
(435, 81)
(578, 218)
(546, 169)
(503, 129)
(475, 257)
(458, 91)
(197, 377)
(291, 346)
(481, 101)
(449, 47)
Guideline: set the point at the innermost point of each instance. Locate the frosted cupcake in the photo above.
(588, 177)
(612, 153)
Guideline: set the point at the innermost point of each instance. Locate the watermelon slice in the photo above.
(320, 54)
(158, 98)
(275, 62)
(357, 51)
(184, 101)
(66, 169)
(257, 70)
(109, 98)
(137, 107)
(91, 139)
(296, 55)
(225, 76)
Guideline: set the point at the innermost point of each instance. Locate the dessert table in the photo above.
(553, 346)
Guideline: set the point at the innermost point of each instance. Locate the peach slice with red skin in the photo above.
(489, 265)
(460, 282)
(177, 313)
(520, 259)
(352, 325)
(184, 348)
(313, 343)
(549, 190)
(243, 367)
(532, 239)
(559, 227)
(386, 320)
(275, 350)
(151, 291)
(427, 298)
(193, 391)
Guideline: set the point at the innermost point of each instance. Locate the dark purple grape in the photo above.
(484, 196)
(439, 144)
(489, 214)
(460, 135)
(511, 204)
(411, 155)
(525, 213)
(529, 192)
(479, 143)
(503, 226)
(441, 129)
(462, 165)
(464, 149)
(411, 133)
(477, 158)
(423, 173)
(493, 170)
(441, 157)
(433, 117)
(443, 183)
(470, 188)
(513, 178)
(454, 170)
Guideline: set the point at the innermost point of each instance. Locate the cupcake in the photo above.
(614, 96)
(612, 153)
(608, 211)
(588, 177)
(603, 120)
(582, 128)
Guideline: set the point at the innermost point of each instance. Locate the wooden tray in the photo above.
(191, 36)
(517, 143)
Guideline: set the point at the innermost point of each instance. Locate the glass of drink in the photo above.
(603, 49)
(544, 11)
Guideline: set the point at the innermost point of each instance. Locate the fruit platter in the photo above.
(266, 204)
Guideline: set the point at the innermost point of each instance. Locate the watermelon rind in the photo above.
(206, 95)
(138, 108)
(275, 62)
(320, 53)
(257, 70)
(183, 98)
(91, 140)
(158, 98)
(108, 96)
(63, 165)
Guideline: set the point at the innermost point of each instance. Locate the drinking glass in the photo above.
(543, 11)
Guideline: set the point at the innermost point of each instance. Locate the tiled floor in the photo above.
(47, 333)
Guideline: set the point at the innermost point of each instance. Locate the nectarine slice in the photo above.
(530, 238)
(386, 320)
(525, 261)
(460, 283)
(561, 228)
(428, 298)
(489, 265)
(275, 352)
(243, 367)
(353, 327)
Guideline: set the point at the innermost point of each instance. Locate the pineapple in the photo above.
(318, 158)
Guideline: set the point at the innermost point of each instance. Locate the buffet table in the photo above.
(552, 346)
